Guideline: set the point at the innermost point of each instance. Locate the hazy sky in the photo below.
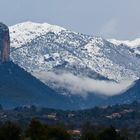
(108, 18)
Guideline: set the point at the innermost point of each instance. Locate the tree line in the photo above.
(40, 131)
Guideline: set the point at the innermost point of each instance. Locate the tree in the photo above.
(36, 131)
(88, 132)
(110, 134)
(124, 132)
(39, 131)
(57, 133)
(10, 131)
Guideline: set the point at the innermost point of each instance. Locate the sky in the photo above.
(118, 19)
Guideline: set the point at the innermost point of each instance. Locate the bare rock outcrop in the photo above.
(4, 43)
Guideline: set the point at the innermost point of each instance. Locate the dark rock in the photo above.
(4, 43)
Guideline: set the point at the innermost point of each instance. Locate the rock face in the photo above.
(4, 43)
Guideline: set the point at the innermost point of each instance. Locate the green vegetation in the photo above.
(40, 131)
(90, 132)
(10, 131)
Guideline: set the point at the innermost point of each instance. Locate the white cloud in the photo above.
(83, 85)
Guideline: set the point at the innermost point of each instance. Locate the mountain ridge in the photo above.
(52, 49)
(63, 51)
(78, 40)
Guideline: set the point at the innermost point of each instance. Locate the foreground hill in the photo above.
(17, 87)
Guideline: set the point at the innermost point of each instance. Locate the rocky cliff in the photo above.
(4, 43)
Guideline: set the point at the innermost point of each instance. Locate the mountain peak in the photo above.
(27, 31)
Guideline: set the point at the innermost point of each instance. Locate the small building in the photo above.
(52, 116)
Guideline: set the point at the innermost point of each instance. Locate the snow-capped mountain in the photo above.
(43, 49)
(131, 43)
(25, 32)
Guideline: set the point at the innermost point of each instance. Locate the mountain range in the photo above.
(52, 47)
(76, 70)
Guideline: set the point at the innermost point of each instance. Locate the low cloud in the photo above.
(84, 85)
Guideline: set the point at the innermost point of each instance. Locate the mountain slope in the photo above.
(133, 44)
(53, 54)
(59, 47)
(17, 87)
(130, 95)
(43, 48)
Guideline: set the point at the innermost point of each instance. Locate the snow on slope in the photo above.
(25, 32)
(43, 47)
(133, 44)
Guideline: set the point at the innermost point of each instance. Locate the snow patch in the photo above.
(23, 33)
(133, 44)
